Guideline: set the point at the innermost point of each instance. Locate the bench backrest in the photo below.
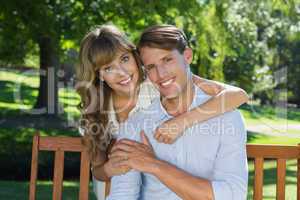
(59, 145)
(279, 152)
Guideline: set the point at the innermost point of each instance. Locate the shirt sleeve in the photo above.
(126, 186)
(230, 178)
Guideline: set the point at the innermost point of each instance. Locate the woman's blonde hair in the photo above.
(99, 47)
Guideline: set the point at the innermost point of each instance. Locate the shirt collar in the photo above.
(199, 98)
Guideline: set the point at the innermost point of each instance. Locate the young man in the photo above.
(208, 162)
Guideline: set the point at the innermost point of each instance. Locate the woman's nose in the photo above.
(122, 70)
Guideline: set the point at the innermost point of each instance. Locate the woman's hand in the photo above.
(114, 167)
(210, 87)
(169, 131)
(139, 156)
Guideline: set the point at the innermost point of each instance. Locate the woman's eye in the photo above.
(125, 59)
(108, 69)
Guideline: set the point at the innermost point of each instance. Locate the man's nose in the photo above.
(161, 71)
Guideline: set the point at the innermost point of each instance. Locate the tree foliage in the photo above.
(239, 41)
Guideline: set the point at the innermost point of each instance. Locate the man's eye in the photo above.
(149, 67)
(125, 59)
(168, 59)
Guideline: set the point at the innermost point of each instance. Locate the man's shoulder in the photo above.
(233, 118)
(233, 126)
(227, 124)
(233, 115)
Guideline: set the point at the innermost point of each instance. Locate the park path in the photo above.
(276, 130)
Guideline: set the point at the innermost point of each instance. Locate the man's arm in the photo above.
(230, 175)
(186, 186)
(141, 157)
(230, 178)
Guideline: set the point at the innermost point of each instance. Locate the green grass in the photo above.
(15, 190)
(19, 91)
(255, 114)
(265, 139)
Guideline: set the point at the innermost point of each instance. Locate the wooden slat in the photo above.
(280, 186)
(58, 175)
(72, 144)
(272, 151)
(84, 176)
(34, 167)
(258, 178)
(298, 178)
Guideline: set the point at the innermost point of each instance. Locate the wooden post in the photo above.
(34, 167)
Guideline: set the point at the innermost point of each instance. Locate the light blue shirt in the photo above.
(214, 150)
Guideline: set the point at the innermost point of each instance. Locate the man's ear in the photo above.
(188, 55)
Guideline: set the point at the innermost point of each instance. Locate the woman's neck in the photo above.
(123, 104)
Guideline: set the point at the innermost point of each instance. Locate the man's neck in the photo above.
(178, 105)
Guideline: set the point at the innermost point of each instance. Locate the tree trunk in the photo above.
(47, 100)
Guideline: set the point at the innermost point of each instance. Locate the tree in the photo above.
(28, 22)
(48, 24)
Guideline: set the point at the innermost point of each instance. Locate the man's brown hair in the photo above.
(166, 37)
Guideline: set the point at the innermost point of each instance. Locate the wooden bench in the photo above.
(60, 145)
(279, 152)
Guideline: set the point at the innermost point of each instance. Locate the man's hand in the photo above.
(169, 131)
(138, 156)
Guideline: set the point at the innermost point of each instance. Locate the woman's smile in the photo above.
(126, 81)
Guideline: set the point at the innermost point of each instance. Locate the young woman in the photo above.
(112, 86)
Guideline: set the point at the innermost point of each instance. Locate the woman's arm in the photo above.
(224, 98)
(98, 163)
(103, 168)
(105, 171)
